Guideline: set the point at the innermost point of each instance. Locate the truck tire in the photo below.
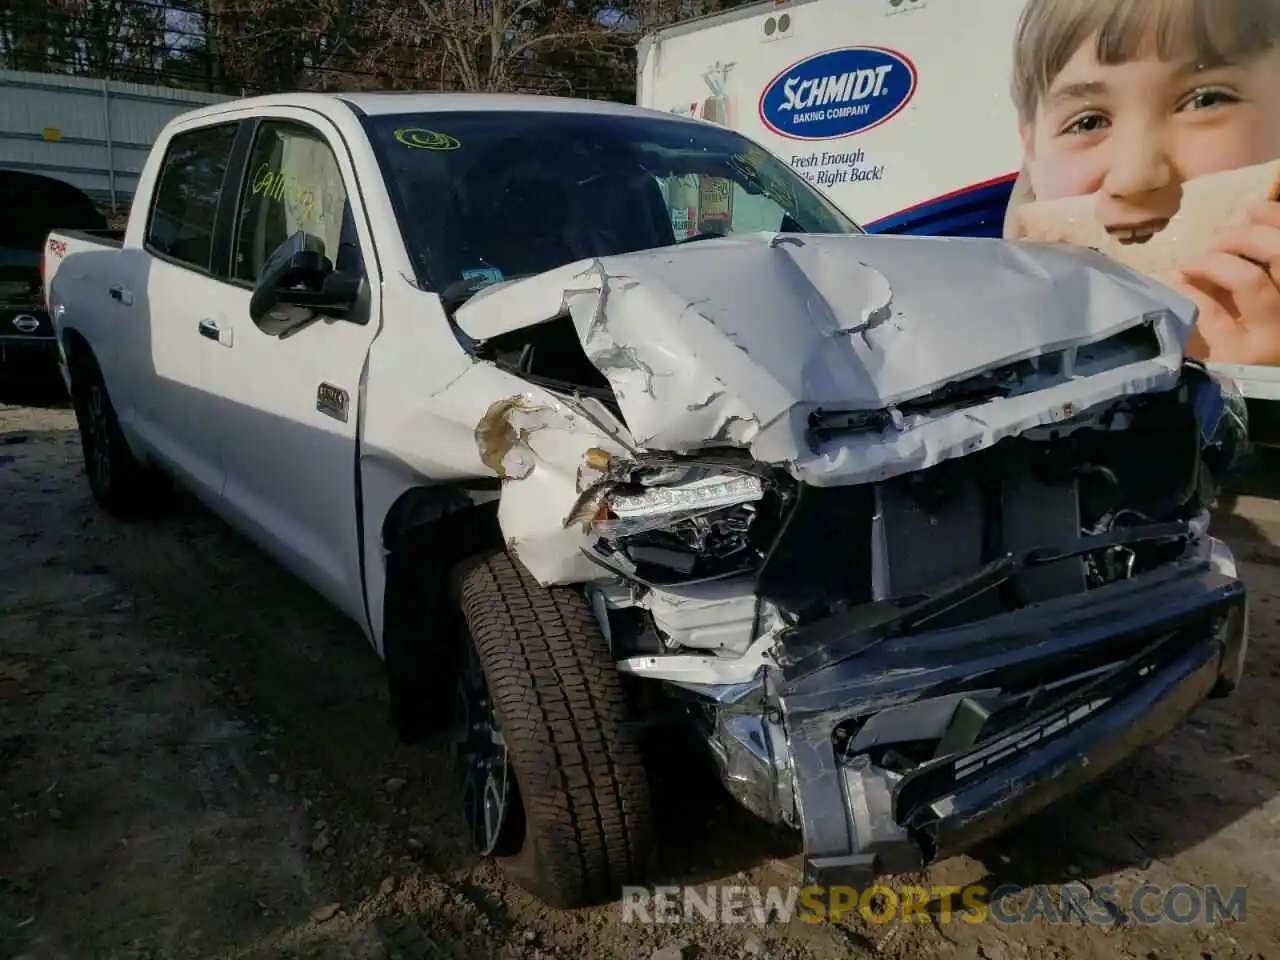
(121, 485)
(553, 778)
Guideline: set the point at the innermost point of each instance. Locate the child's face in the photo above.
(1133, 132)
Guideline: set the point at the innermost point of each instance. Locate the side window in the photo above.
(294, 185)
(186, 202)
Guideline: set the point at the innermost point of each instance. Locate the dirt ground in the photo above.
(195, 761)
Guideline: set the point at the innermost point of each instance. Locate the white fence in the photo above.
(92, 134)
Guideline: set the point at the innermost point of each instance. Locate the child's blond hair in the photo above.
(1210, 31)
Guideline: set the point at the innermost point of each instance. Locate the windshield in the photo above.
(489, 196)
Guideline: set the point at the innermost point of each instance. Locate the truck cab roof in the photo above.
(384, 103)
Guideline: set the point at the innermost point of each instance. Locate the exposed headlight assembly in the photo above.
(658, 506)
(680, 523)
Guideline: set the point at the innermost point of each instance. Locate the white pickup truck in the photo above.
(910, 532)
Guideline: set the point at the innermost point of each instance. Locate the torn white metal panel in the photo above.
(539, 446)
(515, 304)
(718, 616)
(703, 670)
(719, 673)
(737, 340)
(550, 551)
(928, 441)
(432, 415)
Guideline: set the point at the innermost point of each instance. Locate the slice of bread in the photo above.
(1210, 205)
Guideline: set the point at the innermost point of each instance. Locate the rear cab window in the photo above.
(184, 211)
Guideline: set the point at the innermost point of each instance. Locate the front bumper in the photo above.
(1144, 653)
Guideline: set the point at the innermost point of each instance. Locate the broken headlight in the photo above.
(678, 524)
(658, 506)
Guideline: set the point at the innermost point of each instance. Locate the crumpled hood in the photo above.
(738, 340)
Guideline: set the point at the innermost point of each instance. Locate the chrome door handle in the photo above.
(210, 330)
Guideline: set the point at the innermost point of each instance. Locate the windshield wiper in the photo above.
(459, 292)
(701, 236)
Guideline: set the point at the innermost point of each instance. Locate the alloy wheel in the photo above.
(98, 436)
(491, 801)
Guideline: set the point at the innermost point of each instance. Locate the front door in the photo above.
(290, 403)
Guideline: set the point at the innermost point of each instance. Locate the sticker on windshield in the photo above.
(418, 138)
(487, 274)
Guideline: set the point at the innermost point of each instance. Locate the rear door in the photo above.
(161, 326)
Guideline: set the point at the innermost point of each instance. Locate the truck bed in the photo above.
(94, 276)
(102, 238)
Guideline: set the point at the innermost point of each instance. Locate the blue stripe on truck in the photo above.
(973, 211)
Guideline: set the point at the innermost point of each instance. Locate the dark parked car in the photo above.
(30, 207)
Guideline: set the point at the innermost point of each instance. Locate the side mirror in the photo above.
(298, 275)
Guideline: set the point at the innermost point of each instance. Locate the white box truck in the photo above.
(899, 110)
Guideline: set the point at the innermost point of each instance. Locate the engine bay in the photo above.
(719, 525)
(762, 475)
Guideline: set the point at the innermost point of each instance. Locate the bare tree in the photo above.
(568, 47)
(25, 35)
(39, 36)
(487, 44)
(641, 16)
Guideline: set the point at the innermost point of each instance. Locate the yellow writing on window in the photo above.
(276, 185)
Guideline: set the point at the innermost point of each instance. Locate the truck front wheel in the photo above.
(553, 780)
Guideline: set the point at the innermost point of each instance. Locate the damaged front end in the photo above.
(910, 581)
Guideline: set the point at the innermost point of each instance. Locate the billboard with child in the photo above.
(1150, 129)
